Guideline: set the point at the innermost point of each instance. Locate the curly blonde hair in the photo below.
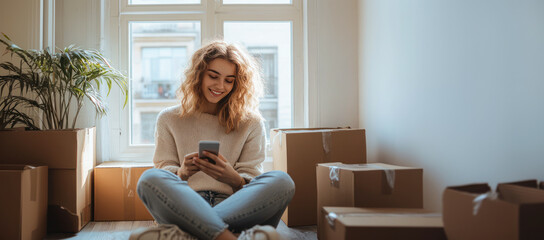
(241, 102)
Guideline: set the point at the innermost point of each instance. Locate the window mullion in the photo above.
(209, 28)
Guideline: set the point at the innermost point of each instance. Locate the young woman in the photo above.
(187, 194)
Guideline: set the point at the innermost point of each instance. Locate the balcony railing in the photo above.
(155, 90)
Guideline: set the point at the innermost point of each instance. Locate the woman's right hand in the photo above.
(187, 167)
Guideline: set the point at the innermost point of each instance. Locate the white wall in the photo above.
(20, 20)
(77, 23)
(455, 87)
(333, 61)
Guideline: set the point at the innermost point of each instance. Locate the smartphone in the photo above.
(209, 146)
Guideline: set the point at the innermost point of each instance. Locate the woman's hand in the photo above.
(187, 167)
(222, 171)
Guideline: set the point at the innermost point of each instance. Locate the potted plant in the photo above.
(45, 91)
(53, 82)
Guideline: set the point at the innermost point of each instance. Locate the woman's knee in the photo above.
(281, 180)
(151, 177)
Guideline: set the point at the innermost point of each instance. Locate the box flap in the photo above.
(364, 166)
(520, 194)
(477, 188)
(18, 167)
(385, 217)
(533, 183)
(307, 130)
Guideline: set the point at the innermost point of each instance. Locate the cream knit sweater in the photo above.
(175, 137)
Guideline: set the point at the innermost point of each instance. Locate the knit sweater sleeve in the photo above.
(253, 152)
(166, 156)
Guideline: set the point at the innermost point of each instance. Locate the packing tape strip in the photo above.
(478, 200)
(326, 136)
(274, 139)
(389, 174)
(334, 175)
(33, 182)
(128, 193)
(334, 172)
(332, 216)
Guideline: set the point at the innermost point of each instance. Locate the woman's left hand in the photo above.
(222, 171)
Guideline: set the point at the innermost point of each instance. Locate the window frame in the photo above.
(212, 14)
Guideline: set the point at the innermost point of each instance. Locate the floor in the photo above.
(121, 231)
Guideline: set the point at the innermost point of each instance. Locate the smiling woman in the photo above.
(190, 196)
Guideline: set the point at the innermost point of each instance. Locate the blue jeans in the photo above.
(206, 214)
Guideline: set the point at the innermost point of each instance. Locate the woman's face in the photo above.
(217, 82)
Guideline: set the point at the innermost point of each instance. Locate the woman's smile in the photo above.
(215, 93)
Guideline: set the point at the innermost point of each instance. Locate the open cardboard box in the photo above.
(369, 185)
(380, 223)
(514, 211)
(296, 151)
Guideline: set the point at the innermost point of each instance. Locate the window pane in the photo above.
(270, 44)
(147, 132)
(159, 2)
(256, 1)
(159, 54)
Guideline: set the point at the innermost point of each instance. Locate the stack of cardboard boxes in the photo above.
(70, 157)
(60, 186)
(344, 196)
(297, 151)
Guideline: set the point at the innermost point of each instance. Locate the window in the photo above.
(147, 130)
(155, 40)
(268, 58)
(159, 54)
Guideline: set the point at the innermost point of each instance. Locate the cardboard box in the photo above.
(375, 185)
(115, 197)
(24, 202)
(297, 151)
(514, 211)
(380, 223)
(369, 185)
(71, 157)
